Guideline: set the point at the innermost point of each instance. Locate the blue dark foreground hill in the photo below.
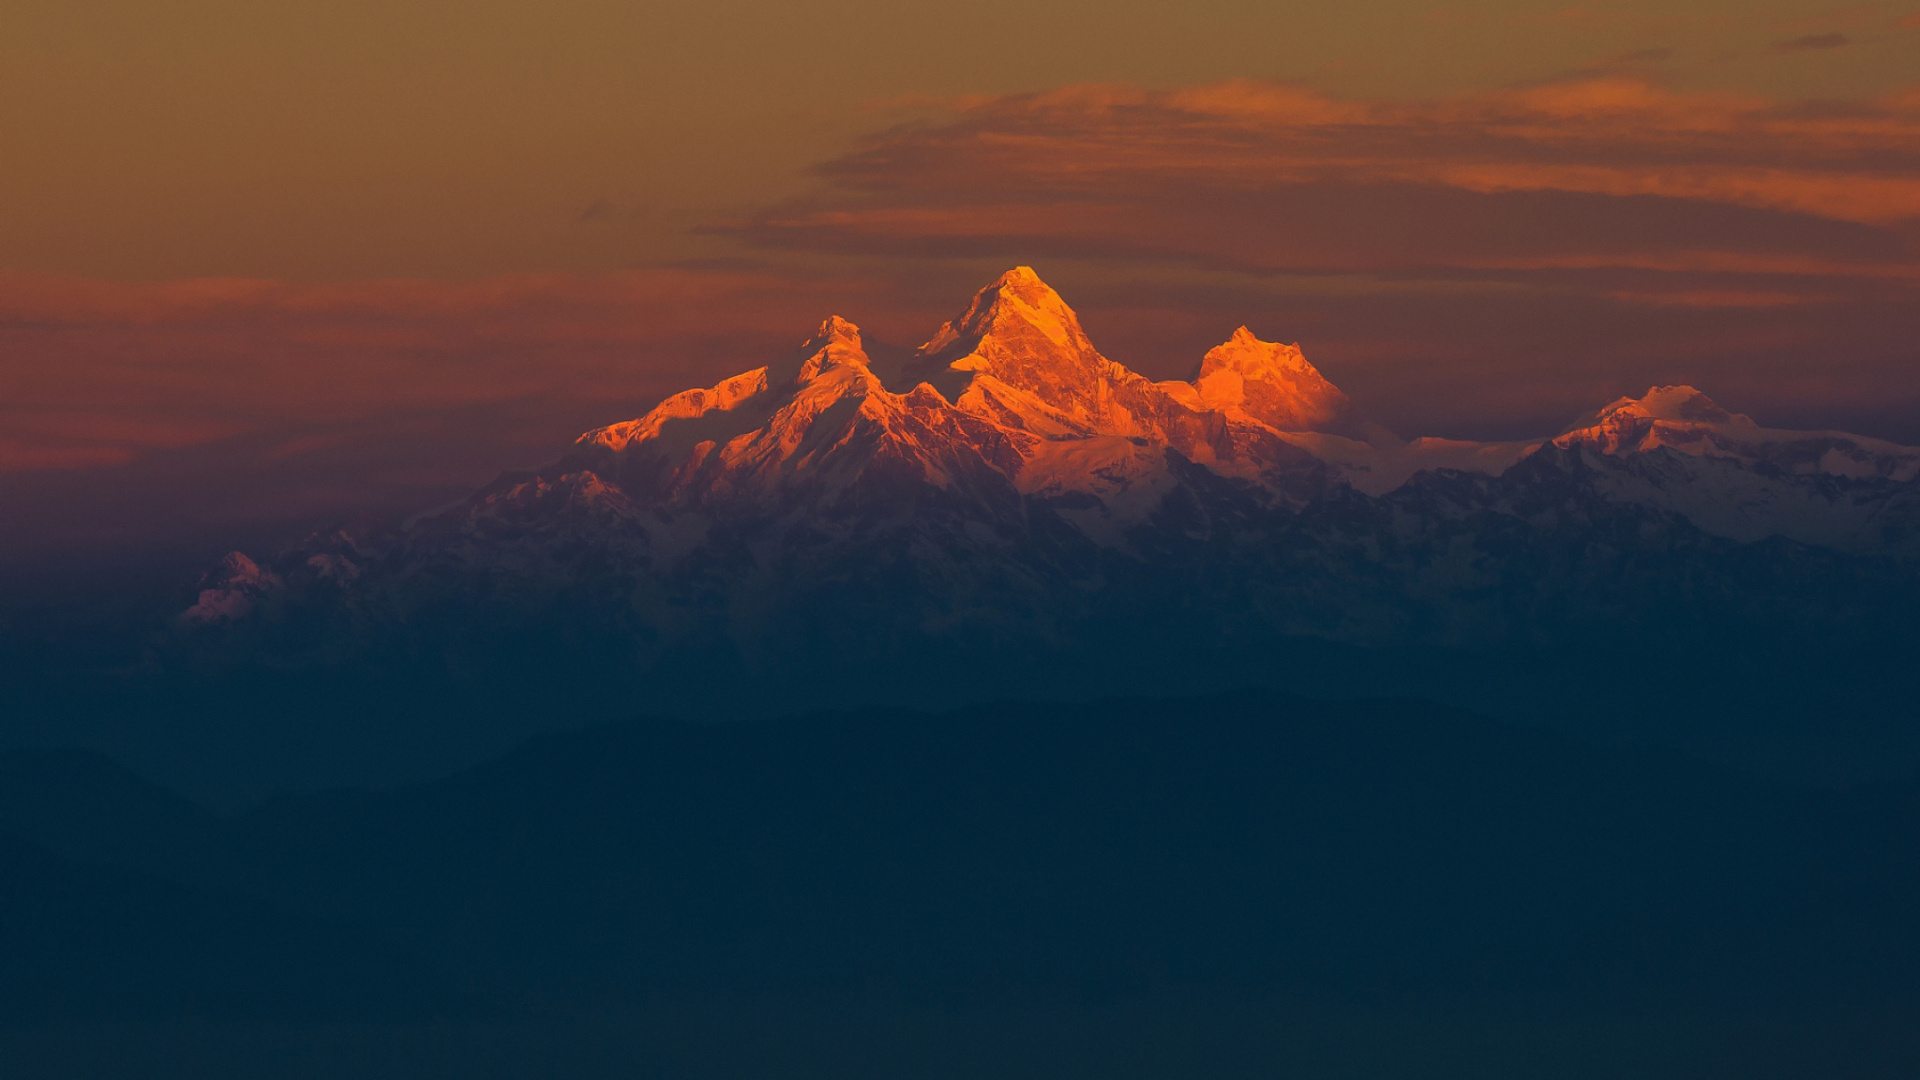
(1232, 885)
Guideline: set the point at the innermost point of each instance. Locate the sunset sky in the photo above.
(262, 264)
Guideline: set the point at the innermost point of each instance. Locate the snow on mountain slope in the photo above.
(1012, 387)
(1007, 451)
(1011, 399)
(820, 417)
(1726, 497)
(1683, 419)
(1777, 487)
(1379, 467)
(1681, 452)
(1266, 382)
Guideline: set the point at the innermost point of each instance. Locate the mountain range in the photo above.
(993, 703)
(1004, 511)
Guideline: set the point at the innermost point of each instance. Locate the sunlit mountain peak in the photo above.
(1017, 298)
(1681, 403)
(1019, 332)
(835, 329)
(1271, 382)
(1683, 419)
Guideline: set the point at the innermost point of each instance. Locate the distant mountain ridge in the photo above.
(1006, 494)
(1684, 419)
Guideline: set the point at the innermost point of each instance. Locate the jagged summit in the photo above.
(1674, 403)
(1271, 382)
(1020, 334)
(1683, 419)
(1012, 392)
(1013, 389)
(745, 402)
(1010, 388)
(1017, 293)
(834, 329)
(1016, 303)
(836, 344)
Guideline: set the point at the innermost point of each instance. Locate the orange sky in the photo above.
(345, 139)
(370, 251)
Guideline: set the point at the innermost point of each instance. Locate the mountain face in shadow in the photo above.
(1245, 851)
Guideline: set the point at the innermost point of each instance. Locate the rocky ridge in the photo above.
(1007, 483)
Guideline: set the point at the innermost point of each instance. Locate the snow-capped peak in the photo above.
(835, 344)
(1010, 393)
(1674, 403)
(1683, 419)
(1018, 298)
(1023, 335)
(1012, 387)
(1271, 382)
(834, 347)
(834, 331)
